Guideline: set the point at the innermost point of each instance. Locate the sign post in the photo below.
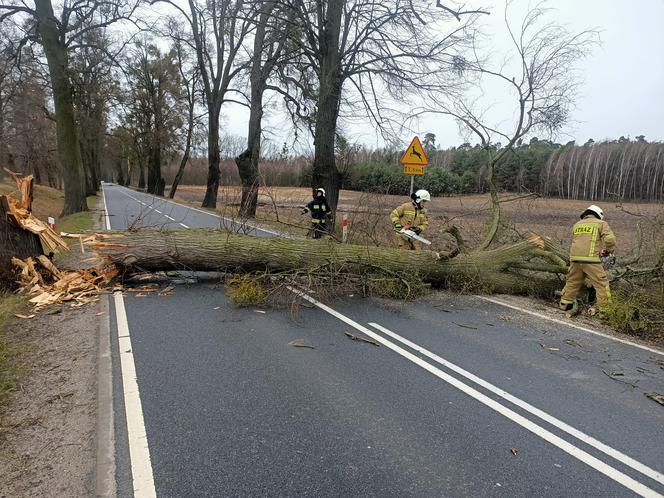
(414, 161)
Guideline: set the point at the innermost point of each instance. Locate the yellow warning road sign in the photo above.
(413, 169)
(415, 155)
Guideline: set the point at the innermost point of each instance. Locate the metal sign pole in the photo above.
(412, 184)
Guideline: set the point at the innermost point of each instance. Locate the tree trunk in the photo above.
(210, 200)
(217, 250)
(187, 150)
(325, 172)
(247, 162)
(155, 181)
(141, 174)
(67, 137)
(15, 242)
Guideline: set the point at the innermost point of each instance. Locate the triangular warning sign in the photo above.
(415, 154)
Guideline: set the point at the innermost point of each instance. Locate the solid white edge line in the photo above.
(567, 447)
(621, 457)
(139, 451)
(213, 214)
(572, 325)
(106, 217)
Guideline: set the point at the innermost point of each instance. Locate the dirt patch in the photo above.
(47, 430)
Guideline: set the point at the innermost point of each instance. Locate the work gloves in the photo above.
(305, 211)
(417, 230)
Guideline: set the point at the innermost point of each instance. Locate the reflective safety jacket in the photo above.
(411, 215)
(319, 209)
(589, 237)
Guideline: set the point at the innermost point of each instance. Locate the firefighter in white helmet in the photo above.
(411, 215)
(320, 212)
(592, 239)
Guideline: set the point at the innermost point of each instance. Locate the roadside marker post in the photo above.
(344, 228)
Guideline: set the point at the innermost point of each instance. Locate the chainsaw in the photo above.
(412, 235)
(608, 260)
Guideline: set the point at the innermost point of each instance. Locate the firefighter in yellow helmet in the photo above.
(592, 239)
(411, 215)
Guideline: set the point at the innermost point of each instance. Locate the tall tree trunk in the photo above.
(120, 173)
(67, 136)
(247, 162)
(141, 174)
(155, 182)
(325, 172)
(210, 200)
(186, 153)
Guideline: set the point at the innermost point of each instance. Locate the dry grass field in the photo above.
(369, 215)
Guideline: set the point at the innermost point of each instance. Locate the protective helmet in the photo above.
(422, 195)
(322, 190)
(593, 209)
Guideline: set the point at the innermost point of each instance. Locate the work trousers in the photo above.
(596, 276)
(318, 228)
(406, 243)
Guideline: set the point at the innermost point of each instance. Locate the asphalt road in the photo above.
(462, 398)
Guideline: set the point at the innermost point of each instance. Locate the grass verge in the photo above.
(10, 368)
(78, 222)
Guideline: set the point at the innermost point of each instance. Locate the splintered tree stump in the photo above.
(14, 242)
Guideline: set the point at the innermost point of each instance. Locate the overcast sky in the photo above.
(623, 79)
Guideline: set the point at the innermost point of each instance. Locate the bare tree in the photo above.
(540, 77)
(190, 79)
(93, 85)
(59, 37)
(218, 29)
(352, 56)
(269, 43)
(154, 107)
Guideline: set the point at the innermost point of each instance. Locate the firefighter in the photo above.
(592, 240)
(320, 211)
(411, 215)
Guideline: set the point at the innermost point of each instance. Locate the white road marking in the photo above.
(185, 226)
(156, 210)
(172, 219)
(216, 215)
(573, 325)
(106, 217)
(567, 447)
(139, 451)
(621, 457)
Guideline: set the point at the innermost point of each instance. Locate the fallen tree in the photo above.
(503, 269)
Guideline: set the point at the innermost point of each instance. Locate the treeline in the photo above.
(618, 169)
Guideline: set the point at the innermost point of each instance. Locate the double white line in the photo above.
(538, 430)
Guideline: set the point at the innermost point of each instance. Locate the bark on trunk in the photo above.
(155, 181)
(218, 250)
(247, 162)
(325, 172)
(67, 137)
(187, 150)
(141, 175)
(210, 200)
